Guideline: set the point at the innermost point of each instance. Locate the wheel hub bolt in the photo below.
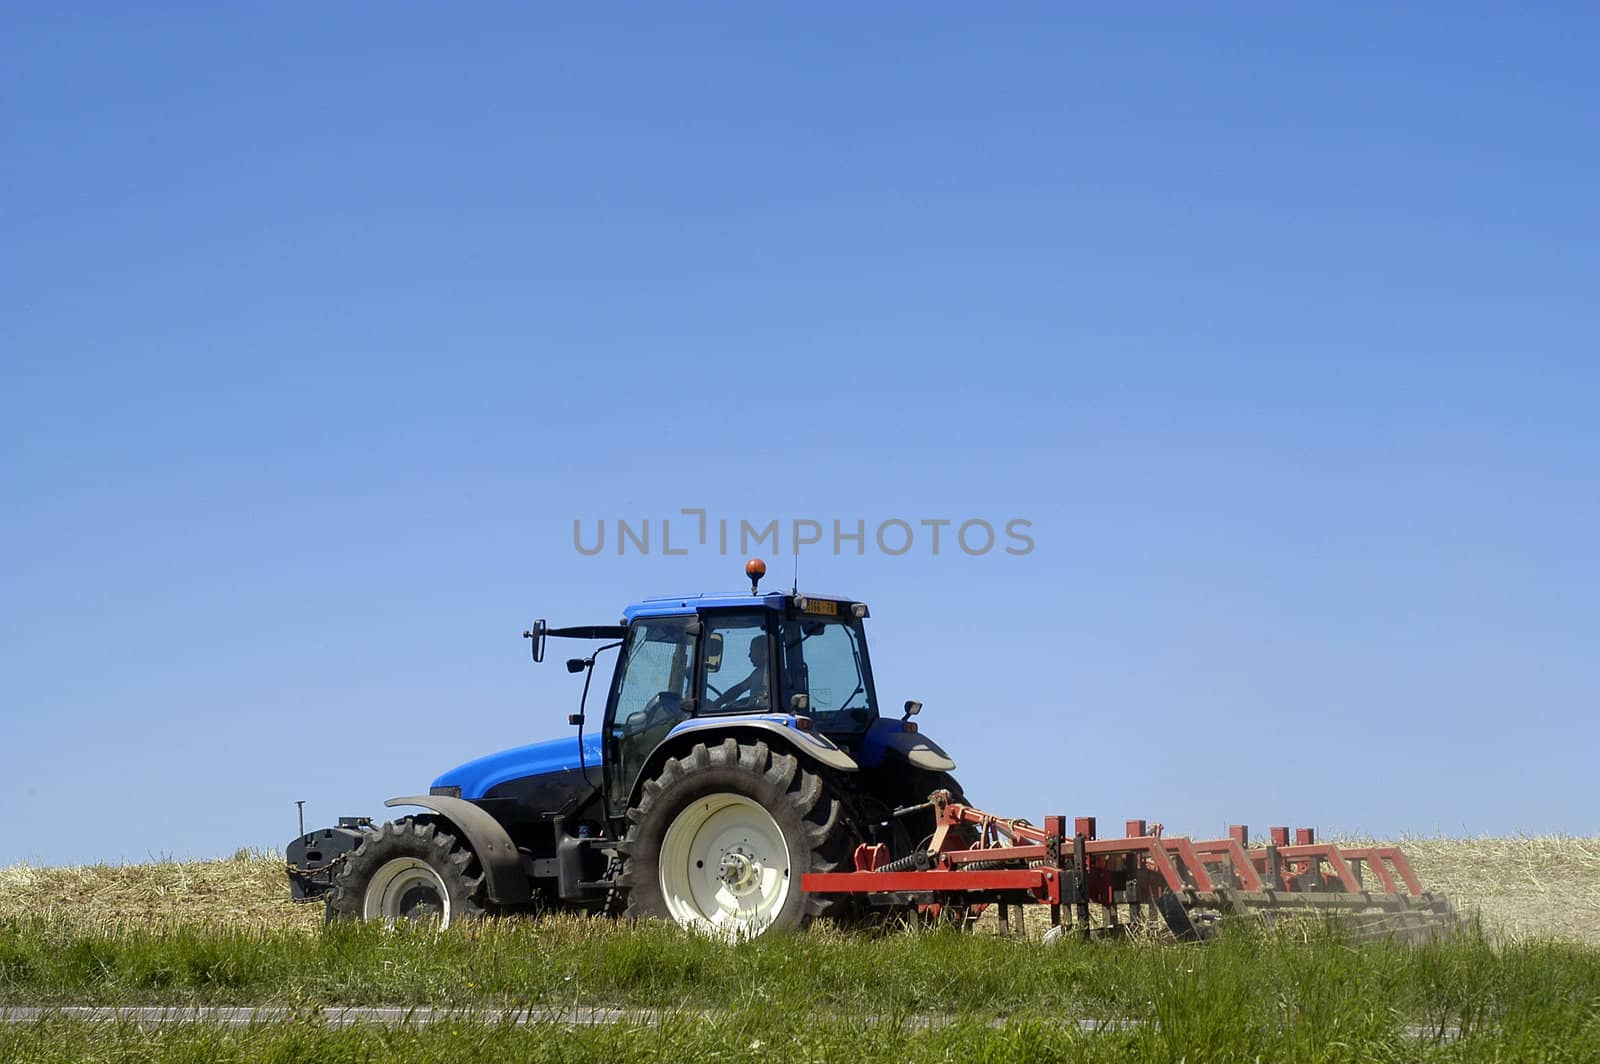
(738, 871)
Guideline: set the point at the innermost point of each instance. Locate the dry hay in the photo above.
(1522, 887)
(247, 890)
(1531, 886)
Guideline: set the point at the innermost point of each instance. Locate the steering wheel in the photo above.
(721, 701)
(740, 700)
(655, 712)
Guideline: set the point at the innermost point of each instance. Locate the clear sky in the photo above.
(322, 324)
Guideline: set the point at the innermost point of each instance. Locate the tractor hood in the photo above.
(477, 778)
(892, 738)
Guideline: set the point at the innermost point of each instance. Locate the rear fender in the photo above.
(505, 882)
(808, 746)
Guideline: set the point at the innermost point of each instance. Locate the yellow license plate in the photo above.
(822, 606)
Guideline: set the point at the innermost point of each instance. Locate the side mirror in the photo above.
(713, 651)
(536, 633)
(576, 664)
(912, 709)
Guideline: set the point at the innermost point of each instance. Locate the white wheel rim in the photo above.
(406, 888)
(724, 867)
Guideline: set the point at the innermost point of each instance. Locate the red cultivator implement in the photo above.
(976, 859)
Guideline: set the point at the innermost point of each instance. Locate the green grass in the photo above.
(820, 996)
(791, 1034)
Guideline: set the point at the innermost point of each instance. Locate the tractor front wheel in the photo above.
(721, 836)
(408, 870)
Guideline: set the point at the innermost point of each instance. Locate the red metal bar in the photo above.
(1374, 861)
(869, 857)
(1232, 851)
(1041, 881)
(1191, 860)
(955, 813)
(1150, 849)
(1401, 866)
(1322, 851)
(996, 853)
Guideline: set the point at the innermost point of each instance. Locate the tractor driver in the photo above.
(751, 691)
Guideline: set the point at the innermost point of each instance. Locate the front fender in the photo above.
(889, 738)
(504, 879)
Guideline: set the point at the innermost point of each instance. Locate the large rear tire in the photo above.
(408, 870)
(721, 836)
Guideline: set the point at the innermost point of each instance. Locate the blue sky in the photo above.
(321, 326)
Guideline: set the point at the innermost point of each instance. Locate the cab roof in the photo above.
(685, 605)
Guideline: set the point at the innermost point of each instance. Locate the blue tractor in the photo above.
(741, 746)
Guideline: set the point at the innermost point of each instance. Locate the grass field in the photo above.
(1524, 986)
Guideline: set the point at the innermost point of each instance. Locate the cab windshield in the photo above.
(826, 661)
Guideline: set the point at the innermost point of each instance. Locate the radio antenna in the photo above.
(796, 589)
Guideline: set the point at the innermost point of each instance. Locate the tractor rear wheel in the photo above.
(408, 869)
(721, 836)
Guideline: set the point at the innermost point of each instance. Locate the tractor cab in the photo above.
(787, 660)
(799, 661)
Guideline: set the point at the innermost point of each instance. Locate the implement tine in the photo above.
(1192, 864)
